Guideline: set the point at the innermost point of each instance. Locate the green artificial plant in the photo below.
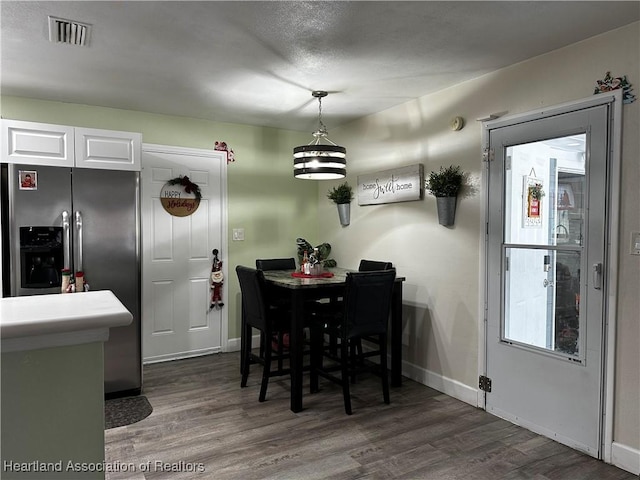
(324, 250)
(343, 193)
(446, 182)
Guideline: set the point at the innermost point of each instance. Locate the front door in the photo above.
(177, 318)
(547, 211)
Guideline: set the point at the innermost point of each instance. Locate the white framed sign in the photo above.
(403, 184)
(532, 202)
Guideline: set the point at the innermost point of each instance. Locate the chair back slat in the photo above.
(372, 265)
(266, 264)
(367, 302)
(252, 290)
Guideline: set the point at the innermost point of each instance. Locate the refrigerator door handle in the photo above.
(79, 241)
(66, 241)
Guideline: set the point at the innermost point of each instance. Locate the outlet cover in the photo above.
(238, 234)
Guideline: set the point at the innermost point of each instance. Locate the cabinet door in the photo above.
(37, 143)
(107, 149)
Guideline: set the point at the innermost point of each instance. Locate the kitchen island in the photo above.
(53, 383)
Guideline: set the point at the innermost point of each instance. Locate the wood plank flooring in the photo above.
(204, 426)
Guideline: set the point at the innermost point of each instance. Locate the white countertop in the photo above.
(43, 321)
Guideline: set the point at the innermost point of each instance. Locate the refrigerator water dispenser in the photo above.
(41, 257)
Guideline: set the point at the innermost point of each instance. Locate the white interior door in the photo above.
(177, 320)
(545, 275)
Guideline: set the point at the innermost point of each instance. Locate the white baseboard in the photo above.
(180, 355)
(448, 386)
(233, 345)
(626, 458)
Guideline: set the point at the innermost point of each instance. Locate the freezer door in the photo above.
(37, 196)
(107, 204)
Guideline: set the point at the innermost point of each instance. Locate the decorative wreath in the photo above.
(536, 191)
(188, 185)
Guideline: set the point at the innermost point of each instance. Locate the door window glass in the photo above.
(543, 242)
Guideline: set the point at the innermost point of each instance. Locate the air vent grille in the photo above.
(69, 32)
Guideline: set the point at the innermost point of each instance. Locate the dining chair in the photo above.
(365, 313)
(372, 265)
(276, 264)
(369, 266)
(269, 320)
(336, 304)
(275, 301)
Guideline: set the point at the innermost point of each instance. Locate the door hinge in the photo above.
(488, 155)
(484, 383)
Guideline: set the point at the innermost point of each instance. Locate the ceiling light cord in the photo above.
(322, 129)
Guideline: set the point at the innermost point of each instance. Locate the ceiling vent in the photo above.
(69, 32)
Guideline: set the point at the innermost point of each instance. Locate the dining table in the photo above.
(331, 283)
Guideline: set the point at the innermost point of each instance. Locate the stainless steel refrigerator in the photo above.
(84, 220)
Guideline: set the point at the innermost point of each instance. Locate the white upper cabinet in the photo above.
(37, 143)
(63, 146)
(108, 149)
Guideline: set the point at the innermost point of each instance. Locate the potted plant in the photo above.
(445, 185)
(342, 196)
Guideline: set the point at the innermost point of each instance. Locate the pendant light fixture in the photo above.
(317, 160)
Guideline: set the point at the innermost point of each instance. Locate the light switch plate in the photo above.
(635, 243)
(238, 234)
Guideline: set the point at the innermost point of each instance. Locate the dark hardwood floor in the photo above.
(204, 426)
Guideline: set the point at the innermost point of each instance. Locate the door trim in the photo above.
(612, 243)
(224, 247)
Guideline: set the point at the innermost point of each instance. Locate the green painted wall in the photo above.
(263, 197)
(53, 411)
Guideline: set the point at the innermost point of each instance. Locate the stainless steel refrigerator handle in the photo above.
(66, 241)
(79, 241)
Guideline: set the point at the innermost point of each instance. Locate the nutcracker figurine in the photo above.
(217, 279)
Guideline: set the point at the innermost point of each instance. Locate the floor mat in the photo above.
(125, 411)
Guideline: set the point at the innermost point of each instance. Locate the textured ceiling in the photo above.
(257, 62)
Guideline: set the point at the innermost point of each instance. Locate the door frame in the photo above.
(224, 247)
(611, 247)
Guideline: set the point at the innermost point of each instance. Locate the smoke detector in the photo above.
(69, 32)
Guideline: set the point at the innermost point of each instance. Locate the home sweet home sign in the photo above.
(403, 184)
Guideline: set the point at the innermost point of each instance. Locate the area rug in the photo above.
(125, 411)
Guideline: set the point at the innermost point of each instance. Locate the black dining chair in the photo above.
(276, 264)
(269, 320)
(336, 304)
(372, 265)
(276, 301)
(368, 266)
(365, 313)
